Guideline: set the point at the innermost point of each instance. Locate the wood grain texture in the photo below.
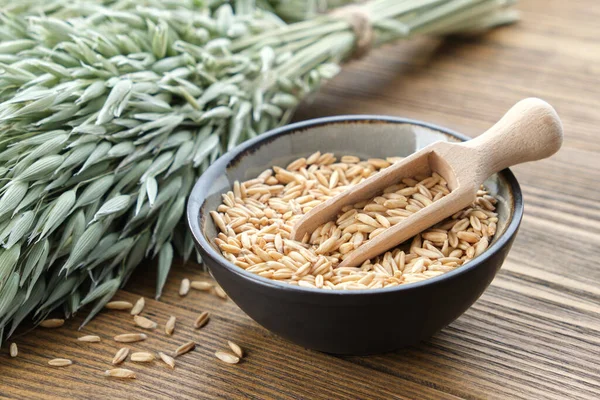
(534, 334)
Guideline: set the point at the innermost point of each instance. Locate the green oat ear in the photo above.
(13, 195)
(165, 258)
(60, 211)
(8, 292)
(21, 227)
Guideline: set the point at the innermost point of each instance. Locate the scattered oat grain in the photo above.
(184, 288)
(120, 356)
(236, 349)
(14, 350)
(170, 325)
(130, 337)
(144, 322)
(139, 306)
(120, 373)
(52, 323)
(201, 285)
(184, 348)
(89, 338)
(202, 320)
(170, 361)
(118, 305)
(227, 357)
(220, 292)
(60, 362)
(142, 356)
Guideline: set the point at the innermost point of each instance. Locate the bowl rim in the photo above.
(200, 190)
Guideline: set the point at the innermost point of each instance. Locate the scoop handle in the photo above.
(531, 130)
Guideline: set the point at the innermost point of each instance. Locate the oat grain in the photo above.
(227, 357)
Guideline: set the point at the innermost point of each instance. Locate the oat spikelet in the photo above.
(142, 356)
(184, 348)
(236, 349)
(201, 285)
(120, 356)
(139, 306)
(130, 337)
(220, 292)
(144, 322)
(52, 323)
(118, 305)
(120, 373)
(89, 338)
(227, 357)
(202, 320)
(170, 361)
(170, 325)
(60, 362)
(185, 287)
(14, 350)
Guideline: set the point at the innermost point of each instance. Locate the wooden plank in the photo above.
(535, 333)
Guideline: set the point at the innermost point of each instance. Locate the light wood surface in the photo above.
(534, 334)
(531, 130)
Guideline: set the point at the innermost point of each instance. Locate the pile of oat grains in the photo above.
(256, 218)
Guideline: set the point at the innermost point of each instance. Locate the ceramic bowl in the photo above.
(355, 322)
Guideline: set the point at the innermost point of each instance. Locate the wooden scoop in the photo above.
(530, 130)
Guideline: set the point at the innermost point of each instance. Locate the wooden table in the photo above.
(535, 333)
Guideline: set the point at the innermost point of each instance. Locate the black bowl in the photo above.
(347, 322)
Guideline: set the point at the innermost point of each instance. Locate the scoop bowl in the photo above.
(348, 322)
